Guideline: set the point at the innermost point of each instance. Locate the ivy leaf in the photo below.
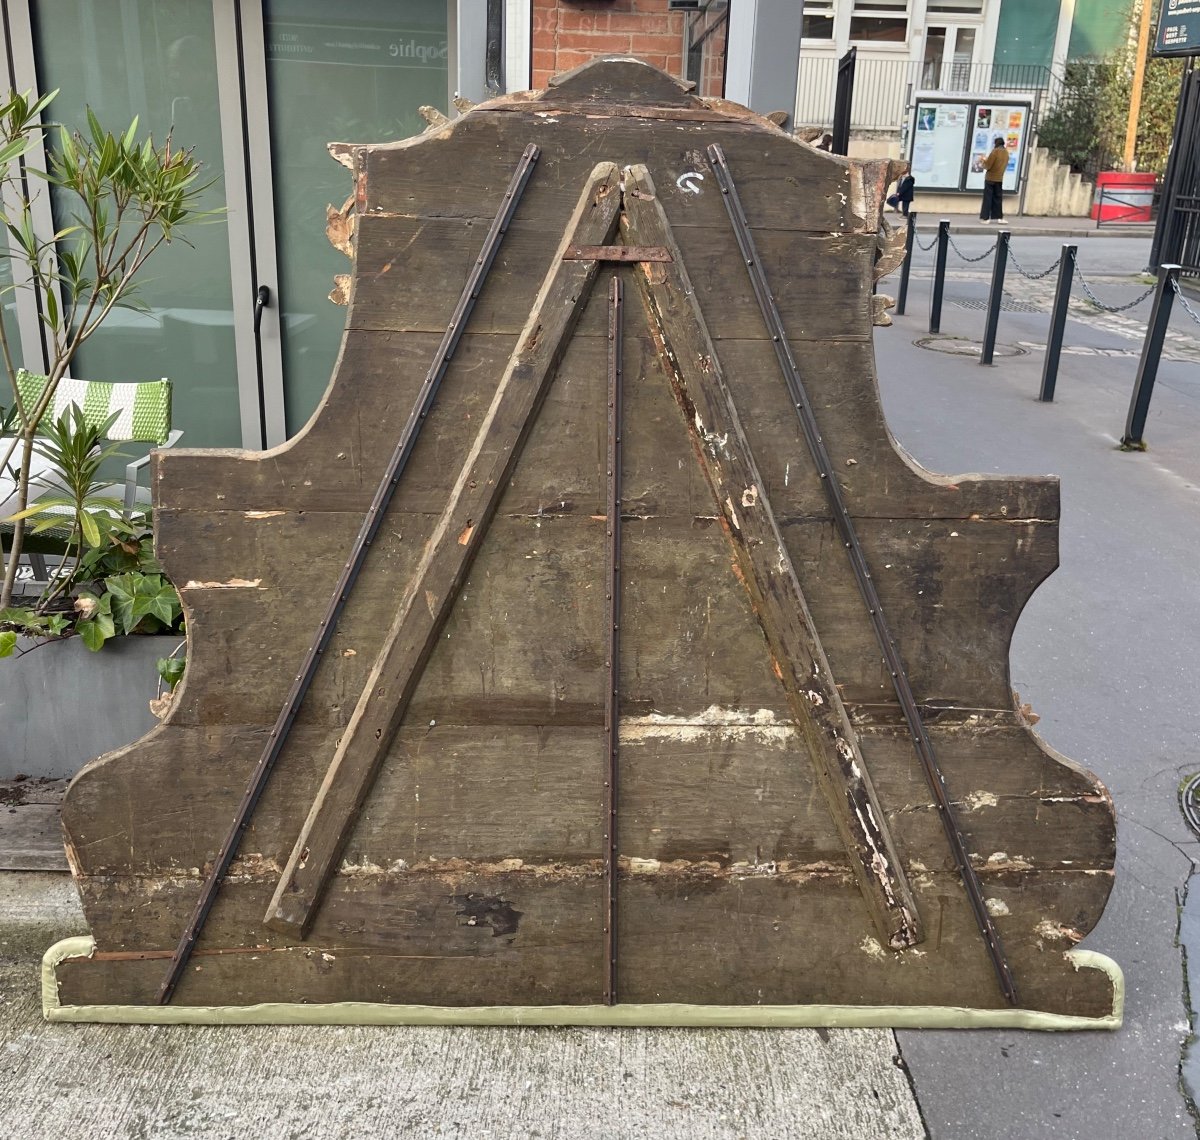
(138, 596)
(170, 669)
(96, 631)
(8, 642)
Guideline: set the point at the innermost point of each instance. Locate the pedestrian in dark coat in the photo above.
(901, 200)
(994, 166)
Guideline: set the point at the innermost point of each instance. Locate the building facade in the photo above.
(240, 320)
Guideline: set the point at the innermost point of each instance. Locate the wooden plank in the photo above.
(419, 179)
(31, 839)
(765, 570)
(409, 268)
(446, 560)
(689, 934)
(336, 469)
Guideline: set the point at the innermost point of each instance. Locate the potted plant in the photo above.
(119, 199)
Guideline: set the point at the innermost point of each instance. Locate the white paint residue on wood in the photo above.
(977, 800)
(761, 725)
(232, 584)
(870, 946)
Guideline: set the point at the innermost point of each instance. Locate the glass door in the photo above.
(237, 314)
(357, 72)
(155, 60)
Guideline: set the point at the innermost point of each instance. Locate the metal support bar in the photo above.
(939, 276)
(612, 614)
(350, 572)
(995, 298)
(616, 253)
(1058, 322)
(909, 238)
(1147, 373)
(862, 572)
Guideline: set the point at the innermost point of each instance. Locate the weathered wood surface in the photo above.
(693, 370)
(488, 804)
(30, 833)
(458, 534)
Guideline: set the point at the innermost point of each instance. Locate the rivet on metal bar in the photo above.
(341, 591)
(858, 563)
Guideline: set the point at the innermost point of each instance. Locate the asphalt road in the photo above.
(1105, 653)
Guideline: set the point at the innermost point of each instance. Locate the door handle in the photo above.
(261, 300)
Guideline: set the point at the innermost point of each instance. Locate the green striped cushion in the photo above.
(145, 408)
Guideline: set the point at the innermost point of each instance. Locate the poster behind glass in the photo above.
(991, 121)
(939, 137)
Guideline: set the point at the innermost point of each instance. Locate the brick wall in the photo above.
(567, 33)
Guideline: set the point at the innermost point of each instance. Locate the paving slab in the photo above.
(323, 1083)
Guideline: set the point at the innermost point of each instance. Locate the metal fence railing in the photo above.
(885, 88)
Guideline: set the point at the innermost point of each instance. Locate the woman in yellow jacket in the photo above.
(994, 166)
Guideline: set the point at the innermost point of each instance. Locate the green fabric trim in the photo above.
(781, 1016)
(97, 401)
(152, 411)
(31, 386)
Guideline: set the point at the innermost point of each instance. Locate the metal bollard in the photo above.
(1058, 322)
(939, 276)
(995, 298)
(909, 237)
(1156, 333)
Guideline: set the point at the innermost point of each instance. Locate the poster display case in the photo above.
(952, 138)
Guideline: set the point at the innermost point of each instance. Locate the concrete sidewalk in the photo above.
(104, 1082)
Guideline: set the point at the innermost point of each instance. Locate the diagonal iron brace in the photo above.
(358, 553)
(862, 571)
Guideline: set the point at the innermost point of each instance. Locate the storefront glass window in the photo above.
(357, 72)
(156, 60)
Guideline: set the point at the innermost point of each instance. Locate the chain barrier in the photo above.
(921, 246)
(1184, 302)
(1110, 308)
(1012, 256)
(986, 253)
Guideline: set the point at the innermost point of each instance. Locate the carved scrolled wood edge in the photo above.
(432, 116)
(340, 228)
(880, 304)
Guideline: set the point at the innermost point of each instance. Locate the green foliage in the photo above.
(1082, 127)
(1086, 128)
(118, 589)
(170, 669)
(126, 196)
(76, 449)
(1156, 119)
(108, 576)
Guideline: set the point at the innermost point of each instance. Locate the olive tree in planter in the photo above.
(121, 198)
